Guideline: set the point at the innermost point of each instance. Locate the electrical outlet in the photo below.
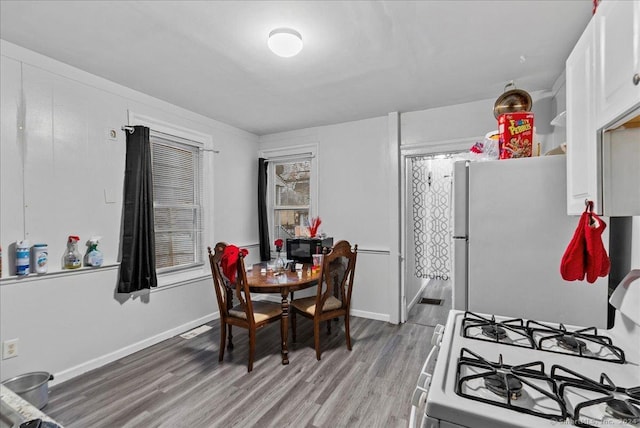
(10, 348)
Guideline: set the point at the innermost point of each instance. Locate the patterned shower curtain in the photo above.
(431, 192)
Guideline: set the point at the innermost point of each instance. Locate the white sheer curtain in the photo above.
(432, 215)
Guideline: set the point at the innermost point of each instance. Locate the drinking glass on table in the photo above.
(317, 260)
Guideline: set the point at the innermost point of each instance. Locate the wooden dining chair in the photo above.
(333, 296)
(246, 314)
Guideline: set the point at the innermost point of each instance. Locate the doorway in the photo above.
(428, 208)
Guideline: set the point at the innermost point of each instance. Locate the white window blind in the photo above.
(177, 184)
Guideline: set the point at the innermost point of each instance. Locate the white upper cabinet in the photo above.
(582, 138)
(618, 50)
(603, 103)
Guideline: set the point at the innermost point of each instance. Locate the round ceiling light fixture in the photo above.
(285, 42)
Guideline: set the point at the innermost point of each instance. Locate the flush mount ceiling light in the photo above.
(285, 42)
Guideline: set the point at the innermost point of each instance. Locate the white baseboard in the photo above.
(417, 297)
(128, 350)
(371, 315)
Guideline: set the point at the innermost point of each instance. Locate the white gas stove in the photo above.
(499, 372)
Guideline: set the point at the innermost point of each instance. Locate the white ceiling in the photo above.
(360, 59)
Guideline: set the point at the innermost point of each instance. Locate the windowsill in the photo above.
(166, 280)
(180, 277)
(57, 274)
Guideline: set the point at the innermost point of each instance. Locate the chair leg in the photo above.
(230, 345)
(292, 315)
(328, 327)
(229, 301)
(346, 331)
(223, 339)
(252, 348)
(316, 337)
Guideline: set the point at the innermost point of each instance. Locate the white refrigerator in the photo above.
(510, 231)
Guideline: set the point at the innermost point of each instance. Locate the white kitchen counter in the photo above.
(24, 408)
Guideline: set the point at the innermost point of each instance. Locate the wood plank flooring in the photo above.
(180, 383)
(430, 315)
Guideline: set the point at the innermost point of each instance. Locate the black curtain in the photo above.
(263, 221)
(138, 265)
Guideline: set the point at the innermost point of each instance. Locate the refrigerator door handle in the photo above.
(466, 238)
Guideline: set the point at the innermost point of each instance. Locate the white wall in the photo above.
(357, 158)
(470, 120)
(61, 175)
(353, 203)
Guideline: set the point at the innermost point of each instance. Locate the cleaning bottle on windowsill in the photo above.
(72, 258)
(94, 256)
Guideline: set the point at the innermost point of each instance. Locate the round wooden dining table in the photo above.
(262, 280)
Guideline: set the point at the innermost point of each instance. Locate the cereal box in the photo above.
(516, 135)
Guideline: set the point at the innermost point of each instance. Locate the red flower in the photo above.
(278, 243)
(314, 224)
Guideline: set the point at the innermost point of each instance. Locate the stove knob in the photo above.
(438, 332)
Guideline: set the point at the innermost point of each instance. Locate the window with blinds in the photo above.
(177, 184)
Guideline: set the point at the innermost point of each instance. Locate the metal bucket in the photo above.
(33, 387)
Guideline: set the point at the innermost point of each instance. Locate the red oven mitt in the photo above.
(572, 266)
(597, 263)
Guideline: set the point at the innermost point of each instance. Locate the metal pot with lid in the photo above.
(512, 100)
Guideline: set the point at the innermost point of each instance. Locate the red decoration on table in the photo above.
(229, 260)
(314, 224)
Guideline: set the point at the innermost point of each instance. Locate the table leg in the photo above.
(284, 327)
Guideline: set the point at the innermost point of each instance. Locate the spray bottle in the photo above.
(94, 256)
(22, 258)
(72, 258)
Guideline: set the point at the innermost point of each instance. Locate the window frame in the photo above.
(290, 154)
(279, 207)
(172, 276)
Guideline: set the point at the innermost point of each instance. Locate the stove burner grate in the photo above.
(634, 392)
(508, 382)
(626, 409)
(576, 342)
(509, 332)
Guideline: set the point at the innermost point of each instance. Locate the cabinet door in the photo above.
(618, 72)
(582, 142)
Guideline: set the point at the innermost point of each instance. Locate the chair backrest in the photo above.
(338, 269)
(243, 294)
(220, 283)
